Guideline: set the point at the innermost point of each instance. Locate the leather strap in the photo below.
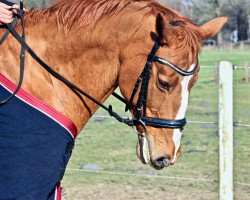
(164, 123)
(74, 88)
(22, 53)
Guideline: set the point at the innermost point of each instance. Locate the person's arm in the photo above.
(6, 16)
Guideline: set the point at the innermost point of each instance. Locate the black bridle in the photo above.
(140, 117)
(143, 80)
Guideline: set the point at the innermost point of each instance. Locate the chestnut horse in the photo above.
(102, 45)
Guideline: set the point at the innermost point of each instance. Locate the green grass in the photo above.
(111, 146)
(237, 57)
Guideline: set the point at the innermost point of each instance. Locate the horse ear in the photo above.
(213, 27)
(161, 28)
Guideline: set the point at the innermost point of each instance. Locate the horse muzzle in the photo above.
(144, 150)
(144, 154)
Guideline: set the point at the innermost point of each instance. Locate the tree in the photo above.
(242, 23)
(239, 17)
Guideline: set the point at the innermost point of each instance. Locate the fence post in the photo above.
(226, 129)
(246, 72)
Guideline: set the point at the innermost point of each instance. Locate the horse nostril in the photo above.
(162, 162)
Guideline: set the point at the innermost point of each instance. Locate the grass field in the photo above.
(107, 149)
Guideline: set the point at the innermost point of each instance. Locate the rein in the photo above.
(22, 53)
(74, 88)
(143, 81)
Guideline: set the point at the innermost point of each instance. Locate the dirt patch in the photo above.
(113, 192)
(127, 192)
(204, 104)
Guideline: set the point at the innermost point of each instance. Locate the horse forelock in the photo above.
(186, 36)
(188, 43)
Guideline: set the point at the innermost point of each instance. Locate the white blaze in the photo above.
(182, 110)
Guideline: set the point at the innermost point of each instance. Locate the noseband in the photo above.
(140, 117)
(143, 80)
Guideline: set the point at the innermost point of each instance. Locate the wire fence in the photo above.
(191, 179)
(235, 67)
(200, 180)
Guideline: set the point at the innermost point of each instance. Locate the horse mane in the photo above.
(82, 13)
(89, 12)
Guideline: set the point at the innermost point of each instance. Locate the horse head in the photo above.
(148, 50)
(173, 72)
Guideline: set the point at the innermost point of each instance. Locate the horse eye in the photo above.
(176, 23)
(163, 84)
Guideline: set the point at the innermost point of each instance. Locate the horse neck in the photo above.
(89, 58)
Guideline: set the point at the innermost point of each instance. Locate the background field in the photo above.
(107, 149)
